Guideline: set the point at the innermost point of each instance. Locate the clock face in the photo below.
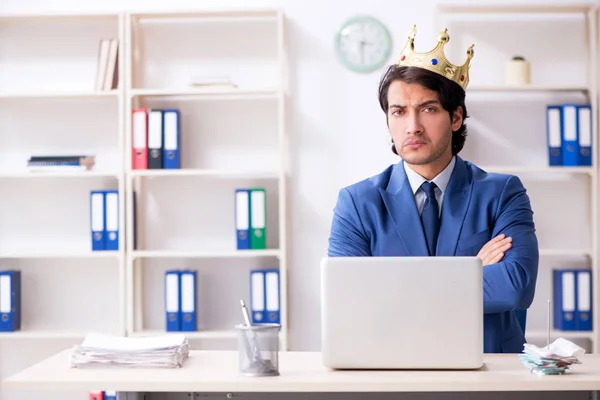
(363, 44)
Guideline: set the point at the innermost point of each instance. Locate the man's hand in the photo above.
(493, 251)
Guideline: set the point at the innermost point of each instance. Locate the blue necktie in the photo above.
(430, 217)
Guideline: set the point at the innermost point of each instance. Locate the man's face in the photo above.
(420, 127)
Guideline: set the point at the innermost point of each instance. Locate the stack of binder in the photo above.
(265, 296)
(180, 300)
(569, 134)
(572, 289)
(10, 301)
(104, 219)
(156, 139)
(251, 219)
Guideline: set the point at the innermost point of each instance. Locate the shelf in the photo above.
(208, 93)
(566, 252)
(529, 88)
(231, 15)
(556, 334)
(205, 254)
(59, 173)
(510, 8)
(204, 172)
(59, 95)
(56, 17)
(45, 335)
(59, 254)
(540, 169)
(209, 334)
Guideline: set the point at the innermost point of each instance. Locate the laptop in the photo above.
(402, 312)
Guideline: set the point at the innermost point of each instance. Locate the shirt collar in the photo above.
(441, 180)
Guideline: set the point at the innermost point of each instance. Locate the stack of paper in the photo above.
(167, 351)
(553, 359)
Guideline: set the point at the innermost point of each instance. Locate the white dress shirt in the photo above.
(441, 181)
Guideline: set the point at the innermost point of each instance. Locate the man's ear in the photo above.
(457, 119)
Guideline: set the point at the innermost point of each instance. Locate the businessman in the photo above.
(434, 203)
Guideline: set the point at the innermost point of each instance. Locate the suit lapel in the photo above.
(454, 209)
(400, 203)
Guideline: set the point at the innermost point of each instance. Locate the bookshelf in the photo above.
(49, 105)
(69, 117)
(230, 137)
(507, 130)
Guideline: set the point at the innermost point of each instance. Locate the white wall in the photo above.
(337, 129)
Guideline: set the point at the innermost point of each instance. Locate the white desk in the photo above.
(301, 372)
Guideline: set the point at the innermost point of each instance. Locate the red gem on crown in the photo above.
(462, 77)
(403, 57)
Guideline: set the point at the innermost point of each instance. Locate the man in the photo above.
(435, 203)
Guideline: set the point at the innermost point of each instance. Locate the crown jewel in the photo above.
(435, 60)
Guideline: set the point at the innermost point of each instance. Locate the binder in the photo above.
(583, 313)
(563, 282)
(139, 132)
(258, 219)
(272, 296)
(155, 139)
(570, 143)
(242, 218)
(188, 301)
(171, 152)
(173, 300)
(265, 296)
(97, 219)
(257, 296)
(10, 301)
(554, 134)
(111, 201)
(110, 395)
(584, 126)
(96, 395)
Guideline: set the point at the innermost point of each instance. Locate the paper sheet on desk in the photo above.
(166, 351)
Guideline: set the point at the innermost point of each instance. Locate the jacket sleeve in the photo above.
(347, 236)
(510, 284)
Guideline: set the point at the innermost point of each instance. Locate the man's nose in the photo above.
(414, 126)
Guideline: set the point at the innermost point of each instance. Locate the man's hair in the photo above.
(451, 96)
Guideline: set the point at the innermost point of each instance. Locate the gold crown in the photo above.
(435, 60)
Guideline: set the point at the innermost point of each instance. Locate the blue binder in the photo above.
(111, 213)
(242, 218)
(110, 395)
(265, 296)
(570, 140)
(584, 304)
(564, 289)
(554, 134)
(585, 134)
(173, 300)
(97, 219)
(10, 301)
(171, 139)
(188, 301)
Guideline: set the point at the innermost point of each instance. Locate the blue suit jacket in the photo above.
(378, 217)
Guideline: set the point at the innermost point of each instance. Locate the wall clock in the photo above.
(363, 44)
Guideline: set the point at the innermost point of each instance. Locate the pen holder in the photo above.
(258, 349)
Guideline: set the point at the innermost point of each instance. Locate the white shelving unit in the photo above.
(230, 137)
(48, 105)
(507, 131)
